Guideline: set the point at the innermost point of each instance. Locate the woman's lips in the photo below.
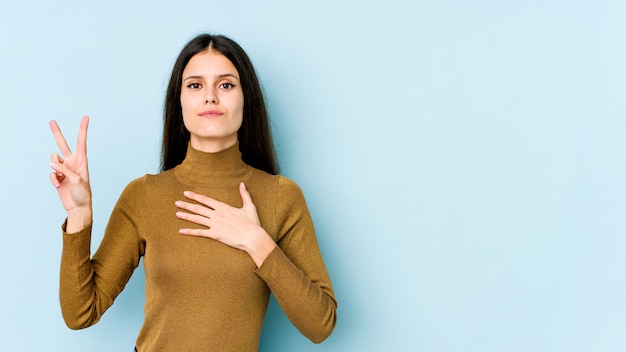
(211, 113)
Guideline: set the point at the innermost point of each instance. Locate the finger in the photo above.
(65, 171)
(56, 158)
(196, 219)
(245, 196)
(58, 137)
(200, 198)
(81, 143)
(56, 179)
(194, 208)
(195, 232)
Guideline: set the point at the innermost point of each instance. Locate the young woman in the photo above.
(218, 228)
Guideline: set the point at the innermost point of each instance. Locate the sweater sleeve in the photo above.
(295, 271)
(88, 286)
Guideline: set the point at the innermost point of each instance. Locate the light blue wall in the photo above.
(463, 160)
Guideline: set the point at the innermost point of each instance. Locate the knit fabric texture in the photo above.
(201, 295)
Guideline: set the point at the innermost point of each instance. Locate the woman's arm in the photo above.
(293, 269)
(89, 286)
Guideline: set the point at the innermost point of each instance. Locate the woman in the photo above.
(218, 228)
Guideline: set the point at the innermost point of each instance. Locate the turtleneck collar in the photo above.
(223, 168)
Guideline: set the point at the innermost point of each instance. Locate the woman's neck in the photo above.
(212, 145)
(222, 168)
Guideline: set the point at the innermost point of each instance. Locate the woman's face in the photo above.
(212, 101)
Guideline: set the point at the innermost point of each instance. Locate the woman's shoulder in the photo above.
(140, 183)
(158, 178)
(137, 185)
(288, 184)
(145, 188)
(286, 190)
(277, 180)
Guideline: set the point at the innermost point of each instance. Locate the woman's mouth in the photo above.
(211, 113)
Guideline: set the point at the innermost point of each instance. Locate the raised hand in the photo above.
(236, 227)
(71, 177)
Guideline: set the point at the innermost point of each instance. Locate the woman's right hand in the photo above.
(71, 177)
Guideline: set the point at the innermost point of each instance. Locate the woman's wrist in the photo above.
(261, 248)
(78, 219)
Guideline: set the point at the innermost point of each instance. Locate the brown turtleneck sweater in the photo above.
(201, 295)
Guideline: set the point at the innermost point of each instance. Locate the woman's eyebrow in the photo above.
(222, 75)
(193, 77)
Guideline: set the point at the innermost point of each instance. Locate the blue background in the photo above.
(463, 160)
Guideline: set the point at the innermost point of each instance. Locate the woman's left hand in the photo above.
(236, 227)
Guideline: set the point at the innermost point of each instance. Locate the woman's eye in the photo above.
(226, 85)
(194, 85)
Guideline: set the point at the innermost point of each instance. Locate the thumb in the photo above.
(64, 172)
(245, 196)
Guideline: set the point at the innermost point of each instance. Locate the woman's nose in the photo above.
(210, 97)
